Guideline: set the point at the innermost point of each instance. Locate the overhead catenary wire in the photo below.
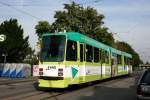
(116, 34)
(90, 2)
(19, 10)
(82, 2)
(27, 5)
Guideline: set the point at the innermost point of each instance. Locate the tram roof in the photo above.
(75, 36)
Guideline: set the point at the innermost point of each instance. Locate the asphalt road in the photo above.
(118, 89)
(9, 90)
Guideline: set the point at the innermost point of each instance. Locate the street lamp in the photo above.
(2, 39)
(5, 55)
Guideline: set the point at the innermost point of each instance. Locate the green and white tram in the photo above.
(73, 58)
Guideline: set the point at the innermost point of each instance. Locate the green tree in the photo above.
(86, 21)
(42, 27)
(127, 48)
(104, 36)
(31, 58)
(16, 46)
(79, 19)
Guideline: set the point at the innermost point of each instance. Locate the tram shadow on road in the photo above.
(68, 89)
(75, 87)
(110, 93)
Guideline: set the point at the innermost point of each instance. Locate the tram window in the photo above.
(126, 60)
(96, 55)
(130, 61)
(71, 54)
(114, 57)
(102, 56)
(89, 53)
(53, 48)
(81, 52)
(106, 57)
(119, 59)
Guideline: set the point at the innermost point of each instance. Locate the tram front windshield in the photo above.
(53, 48)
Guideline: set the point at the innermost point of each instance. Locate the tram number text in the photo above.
(51, 67)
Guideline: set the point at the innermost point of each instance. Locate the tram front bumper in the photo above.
(53, 83)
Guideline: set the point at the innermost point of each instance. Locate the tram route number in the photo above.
(51, 67)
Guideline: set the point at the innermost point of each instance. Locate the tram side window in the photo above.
(114, 57)
(96, 54)
(103, 56)
(71, 54)
(100, 54)
(119, 59)
(106, 57)
(81, 52)
(126, 60)
(89, 53)
(130, 61)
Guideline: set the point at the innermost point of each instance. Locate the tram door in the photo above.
(82, 63)
(114, 66)
(72, 61)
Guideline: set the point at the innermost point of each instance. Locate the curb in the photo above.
(12, 81)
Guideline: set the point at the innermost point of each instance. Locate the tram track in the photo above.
(30, 93)
(15, 93)
(25, 92)
(11, 81)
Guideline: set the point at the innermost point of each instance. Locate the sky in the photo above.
(129, 20)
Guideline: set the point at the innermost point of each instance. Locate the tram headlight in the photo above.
(60, 72)
(40, 71)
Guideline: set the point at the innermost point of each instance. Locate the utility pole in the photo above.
(5, 57)
(2, 39)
